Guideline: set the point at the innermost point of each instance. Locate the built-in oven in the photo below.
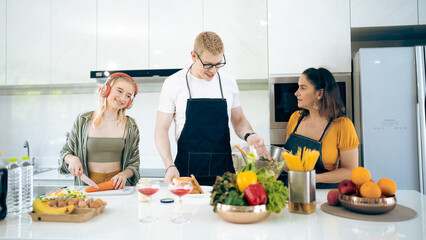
(283, 102)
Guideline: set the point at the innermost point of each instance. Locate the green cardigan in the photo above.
(76, 144)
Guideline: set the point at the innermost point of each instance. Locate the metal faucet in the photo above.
(27, 146)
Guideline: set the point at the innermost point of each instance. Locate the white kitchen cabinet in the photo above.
(2, 42)
(123, 34)
(173, 26)
(380, 13)
(243, 27)
(28, 54)
(422, 11)
(73, 40)
(308, 33)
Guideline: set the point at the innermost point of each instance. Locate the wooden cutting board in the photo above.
(127, 190)
(399, 213)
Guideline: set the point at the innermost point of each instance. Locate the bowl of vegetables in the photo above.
(273, 164)
(247, 197)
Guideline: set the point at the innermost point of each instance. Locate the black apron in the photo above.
(295, 141)
(204, 145)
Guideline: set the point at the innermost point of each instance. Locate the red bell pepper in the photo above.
(256, 194)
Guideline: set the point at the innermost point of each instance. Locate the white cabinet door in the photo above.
(173, 26)
(28, 42)
(374, 13)
(73, 40)
(243, 27)
(422, 12)
(122, 35)
(2, 42)
(307, 33)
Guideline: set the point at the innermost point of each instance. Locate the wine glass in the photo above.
(180, 189)
(148, 189)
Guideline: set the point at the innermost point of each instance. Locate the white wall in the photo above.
(43, 120)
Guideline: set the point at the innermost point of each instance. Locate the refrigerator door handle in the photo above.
(420, 66)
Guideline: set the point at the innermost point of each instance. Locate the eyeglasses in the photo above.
(208, 66)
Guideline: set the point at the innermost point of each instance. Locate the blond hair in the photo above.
(97, 121)
(210, 42)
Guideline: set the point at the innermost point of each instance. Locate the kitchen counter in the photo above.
(54, 178)
(120, 221)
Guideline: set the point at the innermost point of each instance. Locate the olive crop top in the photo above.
(104, 149)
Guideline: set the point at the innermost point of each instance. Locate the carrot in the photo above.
(102, 187)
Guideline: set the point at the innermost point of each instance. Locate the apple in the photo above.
(333, 197)
(347, 187)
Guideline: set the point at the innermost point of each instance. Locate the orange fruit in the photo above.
(360, 176)
(388, 186)
(370, 190)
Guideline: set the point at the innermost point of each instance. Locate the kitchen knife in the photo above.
(87, 180)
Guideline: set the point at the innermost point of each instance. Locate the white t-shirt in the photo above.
(174, 94)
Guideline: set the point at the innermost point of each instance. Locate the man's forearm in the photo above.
(163, 146)
(242, 127)
(240, 123)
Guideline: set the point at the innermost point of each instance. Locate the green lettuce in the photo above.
(277, 192)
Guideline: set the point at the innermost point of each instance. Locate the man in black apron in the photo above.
(204, 149)
(204, 142)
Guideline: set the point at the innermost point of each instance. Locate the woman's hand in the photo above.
(74, 165)
(258, 143)
(171, 173)
(120, 180)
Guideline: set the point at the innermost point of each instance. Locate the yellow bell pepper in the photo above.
(246, 178)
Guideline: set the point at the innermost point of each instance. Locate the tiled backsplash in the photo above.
(43, 121)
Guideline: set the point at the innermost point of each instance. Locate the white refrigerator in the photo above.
(389, 113)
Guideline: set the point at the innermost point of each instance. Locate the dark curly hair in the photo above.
(330, 105)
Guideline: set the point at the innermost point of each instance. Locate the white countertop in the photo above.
(120, 221)
(54, 178)
(52, 175)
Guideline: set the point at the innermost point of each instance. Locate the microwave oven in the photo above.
(283, 102)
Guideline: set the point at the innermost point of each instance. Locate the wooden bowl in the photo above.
(368, 205)
(242, 214)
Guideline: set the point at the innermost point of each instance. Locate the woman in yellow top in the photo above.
(321, 125)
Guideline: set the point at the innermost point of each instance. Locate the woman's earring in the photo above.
(315, 106)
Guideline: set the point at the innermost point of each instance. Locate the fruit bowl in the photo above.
(242, 214)
(367, 205)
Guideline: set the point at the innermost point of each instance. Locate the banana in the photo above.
(40, 207)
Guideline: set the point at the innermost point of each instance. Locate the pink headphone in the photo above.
(105, 89)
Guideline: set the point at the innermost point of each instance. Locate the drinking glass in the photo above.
(180, 189)
(148, 189)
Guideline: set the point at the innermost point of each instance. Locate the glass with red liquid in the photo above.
(180, 188)
(148, 189)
